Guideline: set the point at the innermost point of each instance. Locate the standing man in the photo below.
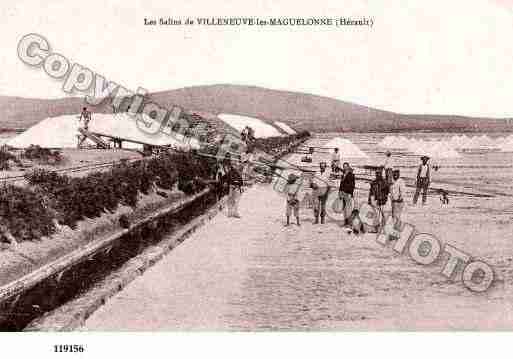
(346, 191)
(397, 195)
(423, 180)
(86, 117)
(378, 195)
(320, 185)
(222, 174)
(246, 163)
(291, 190)
(388, 167)
(234, 182)
(335, 160)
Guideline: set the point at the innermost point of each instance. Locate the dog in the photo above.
(355, 223)
(444, 196)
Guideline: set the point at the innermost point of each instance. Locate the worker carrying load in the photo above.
(247, 135)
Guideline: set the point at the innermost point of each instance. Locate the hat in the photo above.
(396, 171)
(424, 158)
(322, 164)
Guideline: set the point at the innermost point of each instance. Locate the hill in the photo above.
(299, 110)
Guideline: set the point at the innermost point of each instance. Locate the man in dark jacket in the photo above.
(423, 180)
(346, 191)
(378, 195)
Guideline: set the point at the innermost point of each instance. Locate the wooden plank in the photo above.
(129, 140)
(93, 137)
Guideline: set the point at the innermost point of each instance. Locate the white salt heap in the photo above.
(62, 131)
(261, 128)
(393, 142)
(506, 145)
(447, 148)
(346, 148)
(434, 149)
(285, 127)
(482, 142)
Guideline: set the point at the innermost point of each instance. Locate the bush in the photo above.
(28, 213)
(48, 180)
(5, 157)
(36, 152)
(24, 214)
(73, 199)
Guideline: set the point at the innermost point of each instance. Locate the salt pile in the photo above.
(435, 149)
(62, 131)
(445, 148)
(506, 145)
(457, 142)
(346, 148)
(285, 127)
(261, 128)
(388, 142)
(482, 142)
(393, 142)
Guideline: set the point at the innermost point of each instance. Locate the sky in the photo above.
(440, 57)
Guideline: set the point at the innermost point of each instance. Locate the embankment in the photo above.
(84, 256)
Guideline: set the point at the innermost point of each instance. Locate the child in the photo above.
(291, 191)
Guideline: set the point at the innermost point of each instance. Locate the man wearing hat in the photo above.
(346, 191)
(378, 195)
(335, 160)
(388, 167)
(397, 194)
(320, 186)
(423, 180)
(291, 190)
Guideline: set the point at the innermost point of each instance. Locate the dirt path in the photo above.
(254, 274)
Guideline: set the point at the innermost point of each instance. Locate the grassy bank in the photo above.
(54, 199)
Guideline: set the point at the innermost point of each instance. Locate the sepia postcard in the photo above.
(227, 167)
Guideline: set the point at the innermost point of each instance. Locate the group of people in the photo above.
(386, 186)
(392, 186)
(321, 184)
